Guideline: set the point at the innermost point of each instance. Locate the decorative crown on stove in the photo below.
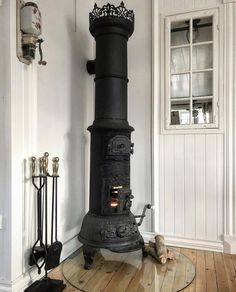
(109, 10)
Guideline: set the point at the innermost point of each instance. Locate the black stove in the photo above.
(109, 223)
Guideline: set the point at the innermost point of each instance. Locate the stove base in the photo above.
(116, 233)
(89, 253)
(46, 285)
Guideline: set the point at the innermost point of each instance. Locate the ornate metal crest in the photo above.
(109, 10)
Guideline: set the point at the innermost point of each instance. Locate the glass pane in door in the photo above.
(179, 33)
(180, 85)
(203, 57)
(202, 29)
(180, 113)
(202, 84)
(179, 60)
(202, 111)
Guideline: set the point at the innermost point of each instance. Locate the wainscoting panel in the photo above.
(173, 6)
(191, 186)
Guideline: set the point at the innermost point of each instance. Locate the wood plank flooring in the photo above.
(215, 272)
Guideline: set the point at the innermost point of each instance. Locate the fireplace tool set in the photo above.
(44, 254)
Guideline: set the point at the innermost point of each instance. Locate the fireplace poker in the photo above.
(54, 250)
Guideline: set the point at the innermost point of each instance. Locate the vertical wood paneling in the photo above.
(220, 185)
(200, 180)
(211, 201)
(169, 182)
(173, 6)
(192, 166)
(179, 176)
(230, 105)
(189, 187)
(162, 186)
(234, 121)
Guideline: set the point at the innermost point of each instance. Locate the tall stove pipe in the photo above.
(109, 222)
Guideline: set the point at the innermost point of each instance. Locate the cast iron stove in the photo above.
(109, 223)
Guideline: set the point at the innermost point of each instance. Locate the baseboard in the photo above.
(5, 286)
(187, 242)
(26, 279)
(230, 244)
(70, 247)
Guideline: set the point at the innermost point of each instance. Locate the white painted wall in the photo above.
(65, 104)
(194, 178)
(140, 106)
(175, 6)
(230, 123)
(5, 152)
(191, 186)
(2, 129)
(191, 167)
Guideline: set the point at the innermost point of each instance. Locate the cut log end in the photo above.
(158, 250)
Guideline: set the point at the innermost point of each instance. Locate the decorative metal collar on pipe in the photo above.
(109, 10)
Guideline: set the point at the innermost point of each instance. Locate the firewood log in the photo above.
(152, 244)
(161, 249)
(152, 252)
(170, 255)
(158, 250)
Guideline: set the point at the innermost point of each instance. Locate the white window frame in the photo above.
(166, 113)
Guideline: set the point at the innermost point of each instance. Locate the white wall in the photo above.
(2, 121)
(230, 125)
(191, 167)
(5, 168)
(195, 186)
(176, 6)
(65, 104)
(140, 106)
(191, 186)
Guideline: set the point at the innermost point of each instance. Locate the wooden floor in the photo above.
(214, 272)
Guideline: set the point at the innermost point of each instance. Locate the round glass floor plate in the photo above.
(118, 272)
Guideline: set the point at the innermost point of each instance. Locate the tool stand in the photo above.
(43, 254)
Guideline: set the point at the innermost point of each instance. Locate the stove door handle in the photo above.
(143, 215)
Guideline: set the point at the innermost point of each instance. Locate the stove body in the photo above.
(110, 223)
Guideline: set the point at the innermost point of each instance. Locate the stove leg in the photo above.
(89, 253)
(145, 254)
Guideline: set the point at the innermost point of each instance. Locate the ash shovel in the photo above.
(54, 250)
(38, 252)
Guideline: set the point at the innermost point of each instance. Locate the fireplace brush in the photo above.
(43, 254)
